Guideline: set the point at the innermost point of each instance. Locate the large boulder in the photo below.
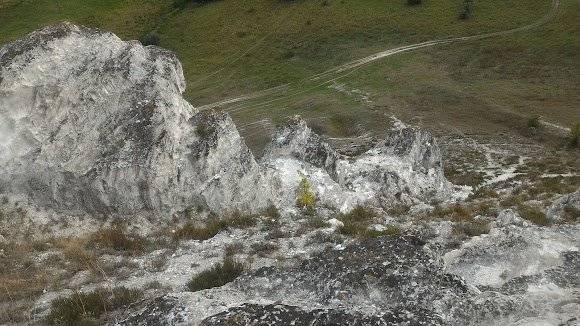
(90, 122)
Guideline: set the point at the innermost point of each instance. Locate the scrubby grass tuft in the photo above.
(191, 231)
(219, 275)
(239, 220)
(575, 134)
(358, 214)
(535, 216)
(534, 121)
(118, 240)
(571, 214)
(264, 249)
(455, 213)
(213, 226)
(82, 308)
(271, 211)
(390, 229)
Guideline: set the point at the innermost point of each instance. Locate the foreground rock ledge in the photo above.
(395, 280)
(91, 123)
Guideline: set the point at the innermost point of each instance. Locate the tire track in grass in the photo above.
(239, 103)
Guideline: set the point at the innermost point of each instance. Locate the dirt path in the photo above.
(237, 103)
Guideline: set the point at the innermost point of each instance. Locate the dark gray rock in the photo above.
(276, 314)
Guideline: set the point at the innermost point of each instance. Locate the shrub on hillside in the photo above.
(534, 121)
(466, 9)
(575, 134)
(413, 2)
(219, 275)
(80, 308)
(305, 196)
(536, 216)
(150, 38)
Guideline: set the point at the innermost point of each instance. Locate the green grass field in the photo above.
(234, 47)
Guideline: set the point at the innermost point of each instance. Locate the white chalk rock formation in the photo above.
(90, 122)
(404, 167)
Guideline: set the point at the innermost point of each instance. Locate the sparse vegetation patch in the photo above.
(85, 308)
(575, 134)
(535, 216)
(219, 275)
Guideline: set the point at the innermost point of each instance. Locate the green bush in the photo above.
(535, 216)
(305, 196)
(575, 134)
(119, 240)
(413, 2)
(82, 308)
(219, 275)
(534, 121)
(150, 38)
(466, 9)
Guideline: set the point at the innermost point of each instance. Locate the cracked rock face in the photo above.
(89, 122)
(397, 280)
(567, 207)
(405, 167)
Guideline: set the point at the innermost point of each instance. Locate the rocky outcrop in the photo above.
(296, 140)
(379, 282)
(394, 280)
(405, 167)
(566, 208)
(89, 122)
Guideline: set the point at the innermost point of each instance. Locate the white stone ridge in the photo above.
(89, 122)
(405, 167)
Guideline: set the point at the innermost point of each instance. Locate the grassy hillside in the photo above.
(233, 47)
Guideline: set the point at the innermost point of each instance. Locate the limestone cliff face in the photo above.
(90, 122)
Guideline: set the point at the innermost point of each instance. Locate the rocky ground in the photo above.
(381, 238)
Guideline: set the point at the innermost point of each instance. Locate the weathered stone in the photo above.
(508, 217)
(91, 123)
(296, 140)
(406, 167)
(567, 207)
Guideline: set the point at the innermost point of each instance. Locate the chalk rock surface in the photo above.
(405, 167)
(567, 207)
(90, 122)
(397, 280)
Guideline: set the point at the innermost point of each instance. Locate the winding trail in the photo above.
(239, 103)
